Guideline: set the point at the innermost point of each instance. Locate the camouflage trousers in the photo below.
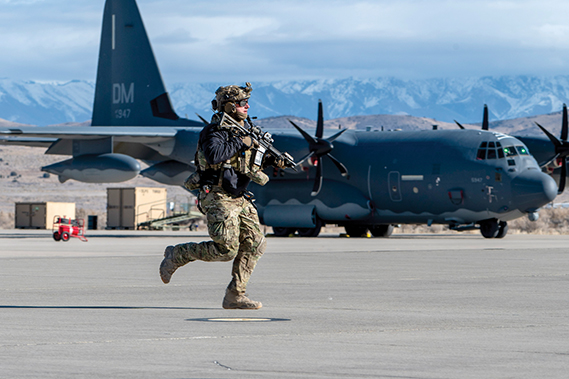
(233, 225)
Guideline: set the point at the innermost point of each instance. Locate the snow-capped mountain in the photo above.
(41, 103)
(441, 99)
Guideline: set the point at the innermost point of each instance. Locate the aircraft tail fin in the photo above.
(129, 89)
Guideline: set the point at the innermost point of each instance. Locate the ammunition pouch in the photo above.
(228, 179)
(193, 181)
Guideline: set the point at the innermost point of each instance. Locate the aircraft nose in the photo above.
(533, 189)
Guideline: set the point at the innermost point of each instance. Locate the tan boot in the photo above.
(234, 300)
(168, 267)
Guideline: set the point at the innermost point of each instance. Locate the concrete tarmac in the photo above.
(411, 306)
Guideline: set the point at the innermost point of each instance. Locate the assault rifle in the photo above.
(264, 139)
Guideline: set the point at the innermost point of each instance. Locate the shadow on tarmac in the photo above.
(94, 307)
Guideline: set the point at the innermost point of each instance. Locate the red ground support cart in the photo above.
(64, 228)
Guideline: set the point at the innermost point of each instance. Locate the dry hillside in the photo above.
(22, 181)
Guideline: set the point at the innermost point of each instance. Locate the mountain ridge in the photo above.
(438, 100)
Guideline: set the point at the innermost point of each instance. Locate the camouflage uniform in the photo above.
(234, 228)
(233, 223)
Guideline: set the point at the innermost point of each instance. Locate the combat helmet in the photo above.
(226, 97)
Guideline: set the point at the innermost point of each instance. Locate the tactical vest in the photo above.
(242, 163)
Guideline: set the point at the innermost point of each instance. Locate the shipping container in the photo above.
(40, 215)
(127, 207)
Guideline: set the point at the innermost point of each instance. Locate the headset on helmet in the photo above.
(226, 97)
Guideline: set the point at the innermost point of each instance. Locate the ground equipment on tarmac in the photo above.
(64, 228)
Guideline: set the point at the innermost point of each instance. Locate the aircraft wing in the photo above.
(31, 136)
(27, 141)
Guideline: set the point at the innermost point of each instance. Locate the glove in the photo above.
(275, 162)
(249, 142)
(280, 163)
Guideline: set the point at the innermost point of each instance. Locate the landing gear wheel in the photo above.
(355, 230)
(56, 236)
(65, 236)
(283, 232)
(503, 229)
(311, 232)
(489, 228)
(381, 230)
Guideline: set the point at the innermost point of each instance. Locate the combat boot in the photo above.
(168, 266)
(234, 300)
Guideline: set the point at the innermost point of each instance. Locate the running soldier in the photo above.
(226, 165)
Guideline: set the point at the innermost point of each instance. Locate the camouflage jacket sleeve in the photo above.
(258, 176)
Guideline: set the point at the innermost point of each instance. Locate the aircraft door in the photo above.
(394, 184)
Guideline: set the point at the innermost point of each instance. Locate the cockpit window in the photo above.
(522, 150)
(492, 150)
(500, 153)
(510, 151)
(481, 154)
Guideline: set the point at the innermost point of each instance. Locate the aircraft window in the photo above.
(483, 144)
(522, 150)
(500, 153)
(498, 144)
(491, 154)
(481, 154)
(510, 151)
(511, 162)
(490, 144)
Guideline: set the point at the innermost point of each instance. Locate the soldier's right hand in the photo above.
(249, 142)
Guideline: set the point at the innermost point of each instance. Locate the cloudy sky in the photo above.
(255, 40)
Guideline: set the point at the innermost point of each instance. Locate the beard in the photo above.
(239, 116)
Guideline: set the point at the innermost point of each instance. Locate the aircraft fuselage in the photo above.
(444, 177)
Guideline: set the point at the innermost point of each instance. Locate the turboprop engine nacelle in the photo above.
(93, 168)
(173, 173)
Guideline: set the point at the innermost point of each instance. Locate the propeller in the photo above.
(561, 149)
(485, 118)
(203, 119)
(485, 122)
(320, 147)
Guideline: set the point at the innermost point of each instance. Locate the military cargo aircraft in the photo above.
(461, 178)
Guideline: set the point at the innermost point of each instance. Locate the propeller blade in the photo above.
(306, 136)
(203, 119)
(341, 167)
(458, 123)
(320, 122)
(551, 137)
(564, 124)
(335, 136)
(305, 158)
(318, 179)
(485, 118)
(563, 177)
(543, 164)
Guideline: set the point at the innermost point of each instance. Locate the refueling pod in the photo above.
(93, 168)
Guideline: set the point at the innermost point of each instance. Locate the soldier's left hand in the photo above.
(280, 163)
